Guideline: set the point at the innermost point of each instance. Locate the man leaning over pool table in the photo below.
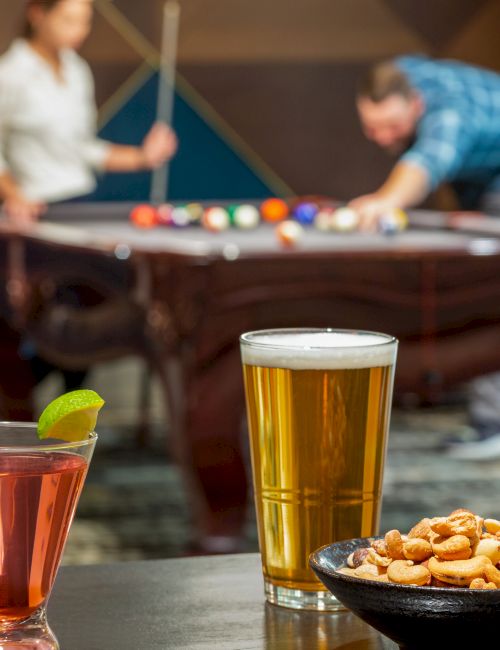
(442, 118)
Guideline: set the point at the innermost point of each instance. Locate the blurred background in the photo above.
(265, 90)
(264, 106)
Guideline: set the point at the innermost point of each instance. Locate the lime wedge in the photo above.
(70, 417)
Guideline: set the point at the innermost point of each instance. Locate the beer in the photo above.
(318, 405)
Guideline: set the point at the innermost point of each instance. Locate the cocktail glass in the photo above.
(40, 484)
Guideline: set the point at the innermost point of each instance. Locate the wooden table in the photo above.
(203, 603)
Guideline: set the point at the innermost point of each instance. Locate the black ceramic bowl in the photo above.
(422, 618)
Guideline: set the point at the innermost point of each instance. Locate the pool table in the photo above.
(181, 297)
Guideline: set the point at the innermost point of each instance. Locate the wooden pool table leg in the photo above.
(16, 379)
(206, 418)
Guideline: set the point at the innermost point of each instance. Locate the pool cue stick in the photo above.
(166, 92)
(160, 177)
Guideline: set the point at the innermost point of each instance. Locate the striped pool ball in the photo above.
(164, 212)
(215, 219)
(289, 233)
(345, 220)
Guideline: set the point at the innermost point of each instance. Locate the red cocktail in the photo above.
(40, 483)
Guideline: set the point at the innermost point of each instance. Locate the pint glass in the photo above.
(318, 408)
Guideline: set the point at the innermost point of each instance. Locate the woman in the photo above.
(48, 147)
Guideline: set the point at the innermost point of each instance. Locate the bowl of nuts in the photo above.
(438, 583)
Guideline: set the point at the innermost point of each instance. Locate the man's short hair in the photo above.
(384, 80)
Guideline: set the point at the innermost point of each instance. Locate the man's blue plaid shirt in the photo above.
(458, 137)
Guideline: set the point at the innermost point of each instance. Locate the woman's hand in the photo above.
(21, 210)
(159, 145)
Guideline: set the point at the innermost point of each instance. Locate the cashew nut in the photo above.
(380, 547)
(439, 583)
(456, 547)
(479, 583)
(492, 574)
(489, 547)
(492, 526)
(417, 549)
(422, 529)
(374, 558)
(459, 572)
(394, 544)
(365, 572)
(458, 523)
(404, 572)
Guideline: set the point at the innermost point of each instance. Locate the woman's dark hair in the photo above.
(27, 30)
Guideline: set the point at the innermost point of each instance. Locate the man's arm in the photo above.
(444, 141)
(407, 185)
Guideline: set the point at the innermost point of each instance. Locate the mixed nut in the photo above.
(461, 550)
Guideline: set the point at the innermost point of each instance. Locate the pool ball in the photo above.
(305, 212)
(274, 210)
(392, 222)
(289, 232)
(180, 216)
(144, 216)
(215, 219)
(195, 211)
(345, 220)
(164, 214)
(324, 219)
(245, 216)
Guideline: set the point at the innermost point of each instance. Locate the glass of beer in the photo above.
(318, 408)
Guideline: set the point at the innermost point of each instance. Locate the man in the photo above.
(442, 118)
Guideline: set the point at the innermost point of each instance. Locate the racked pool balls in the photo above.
(305, 212)
(244, 216)
(215, 219)
(144, 216)
(289, 233)
(345, 220)
(274, 210)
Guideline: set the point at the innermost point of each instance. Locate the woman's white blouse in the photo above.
(48, 125)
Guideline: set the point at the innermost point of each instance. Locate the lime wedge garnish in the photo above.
(70, 417)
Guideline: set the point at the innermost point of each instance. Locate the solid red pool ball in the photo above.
(144, 216)
(274, 210)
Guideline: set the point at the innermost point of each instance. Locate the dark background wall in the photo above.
(265, 97)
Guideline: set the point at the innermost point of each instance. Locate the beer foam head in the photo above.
(317, 349)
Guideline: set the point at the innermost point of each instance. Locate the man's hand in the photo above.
(159, 145)
(370, 208)
(21, 210)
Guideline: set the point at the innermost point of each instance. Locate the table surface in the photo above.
(107, 225)
(191, 603)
